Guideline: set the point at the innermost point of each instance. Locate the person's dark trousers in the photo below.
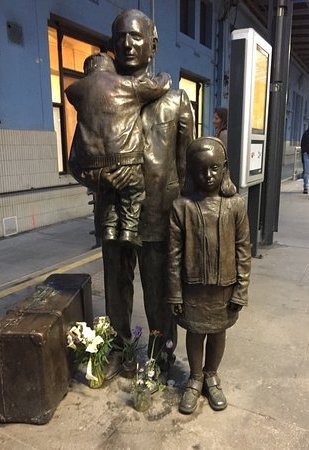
(152, 258)
(119, 263)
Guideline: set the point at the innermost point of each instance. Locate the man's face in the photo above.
(133, 44)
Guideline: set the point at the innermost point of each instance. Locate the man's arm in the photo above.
(175, 251)
(185, 135)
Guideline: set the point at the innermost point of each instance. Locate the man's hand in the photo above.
(119, 178)
(234, 307)
(176, 308)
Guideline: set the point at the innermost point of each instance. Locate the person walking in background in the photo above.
(220, 124)
(305, 158)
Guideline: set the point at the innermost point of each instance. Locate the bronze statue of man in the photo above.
(168, 129)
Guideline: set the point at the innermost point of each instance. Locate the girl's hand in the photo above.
(176, 308)
(234, 307)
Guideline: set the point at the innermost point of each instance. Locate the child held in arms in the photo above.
(109, 135)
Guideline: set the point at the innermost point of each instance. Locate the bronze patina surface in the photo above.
(168, 129)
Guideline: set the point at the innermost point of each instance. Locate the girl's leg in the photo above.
(195, 349)
(214, 352)
(212, 389)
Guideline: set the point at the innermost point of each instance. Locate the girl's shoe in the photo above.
(213, 391)
(188, 402)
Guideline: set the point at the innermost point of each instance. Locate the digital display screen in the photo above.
(260, 91)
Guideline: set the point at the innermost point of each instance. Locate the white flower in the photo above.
(92, 347)
(89, 334)
(151, 373)
(71, 342)
(76, 332)
(89, 375)
(150, 384)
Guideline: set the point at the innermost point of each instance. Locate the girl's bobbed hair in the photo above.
(202, 144)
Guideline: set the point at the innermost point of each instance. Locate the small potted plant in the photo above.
(147, 379)
(91, 347)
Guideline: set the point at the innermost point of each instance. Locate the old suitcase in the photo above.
(34, 373)
(35, 367)
(66, 294)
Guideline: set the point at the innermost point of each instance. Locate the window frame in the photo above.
(67, 28)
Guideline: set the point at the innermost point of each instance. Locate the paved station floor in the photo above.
(264, 372)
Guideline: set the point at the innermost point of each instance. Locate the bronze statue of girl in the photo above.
(209, 266)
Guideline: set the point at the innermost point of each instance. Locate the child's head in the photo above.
(207, 168)
(98, 61)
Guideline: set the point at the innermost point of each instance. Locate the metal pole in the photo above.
(276, 121)
(152, 13)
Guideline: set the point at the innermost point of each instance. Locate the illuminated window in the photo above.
(195, 91)
(67, 55)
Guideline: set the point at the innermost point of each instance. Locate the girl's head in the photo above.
(207, 168)
(220, 119)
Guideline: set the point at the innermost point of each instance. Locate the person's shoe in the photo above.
(109, 234)
(188, 402)
(131, 238)
(213, 391)
(114, 366)
(305, 191)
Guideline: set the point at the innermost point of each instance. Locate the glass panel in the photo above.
(200, 111)
(260, 87)
(57, 128)
(54, 64)
(70, 114)
(190, 88)
(74, 53)
(205, 23)
(187, 17)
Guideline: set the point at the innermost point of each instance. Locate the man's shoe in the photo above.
(213, 391)
(188, 402)
(131, 238)
(114, 365)
(305, 191)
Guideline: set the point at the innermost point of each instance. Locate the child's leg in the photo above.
(195, 348)
(131, 198)
(212, 389)
(214, 352)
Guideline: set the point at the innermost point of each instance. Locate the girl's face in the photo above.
(207, 170)
(217, 121)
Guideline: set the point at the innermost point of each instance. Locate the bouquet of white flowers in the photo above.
(92, 346)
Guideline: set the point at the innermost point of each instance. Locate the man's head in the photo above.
(134, 38)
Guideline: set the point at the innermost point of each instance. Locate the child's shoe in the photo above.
(188, 402)
(213, 391)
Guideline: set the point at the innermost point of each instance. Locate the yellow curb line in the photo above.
(42, 277)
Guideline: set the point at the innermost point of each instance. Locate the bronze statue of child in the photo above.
(209, 266)
(109, 135)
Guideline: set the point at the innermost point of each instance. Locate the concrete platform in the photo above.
(265, 370)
